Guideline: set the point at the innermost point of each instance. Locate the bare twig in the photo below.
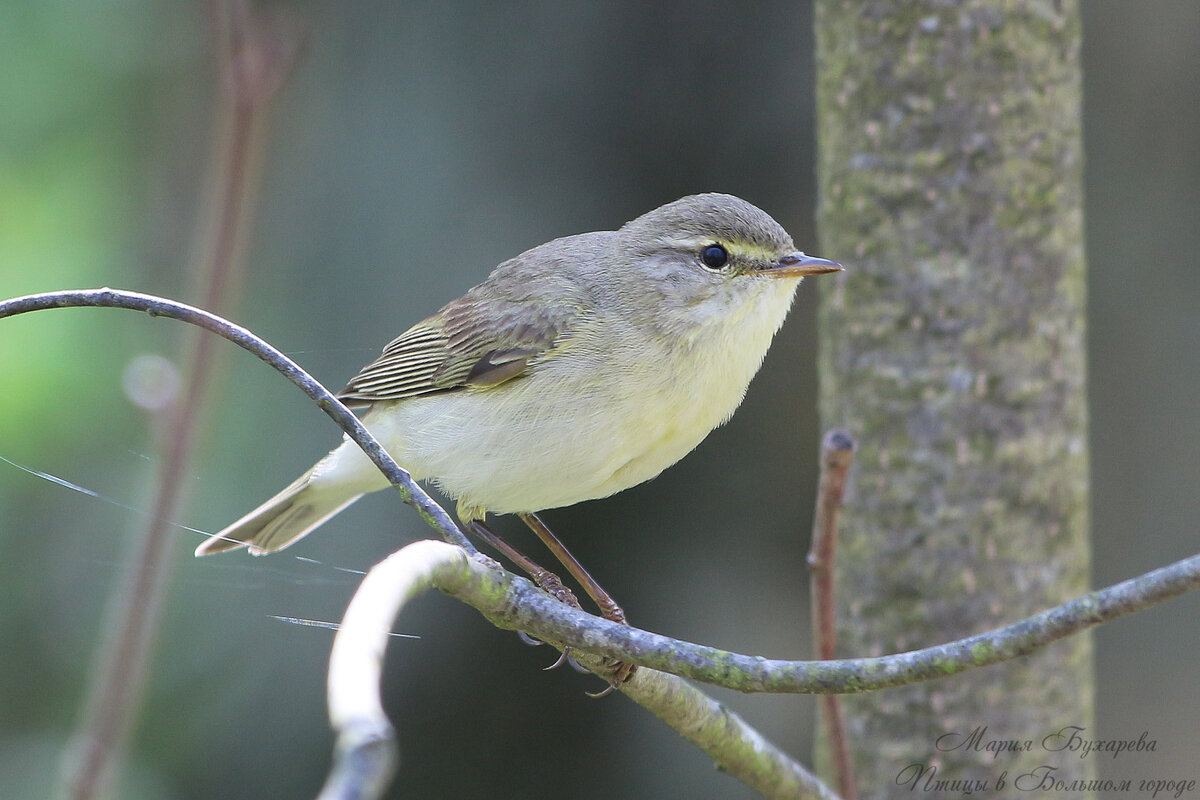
(837, 453)
(410, 492)
(112, 694)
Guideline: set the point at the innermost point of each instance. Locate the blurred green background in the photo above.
(416, 145)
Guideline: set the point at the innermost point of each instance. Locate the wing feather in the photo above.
(521, 316)
(465, 345)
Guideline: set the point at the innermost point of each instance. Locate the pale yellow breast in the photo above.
(702, 389)
(594, 421)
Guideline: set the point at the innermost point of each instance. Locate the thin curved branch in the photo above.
(365, 749)
(412, 494)
(365, 753)
(526, 609)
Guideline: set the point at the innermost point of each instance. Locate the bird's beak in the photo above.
(795, 265)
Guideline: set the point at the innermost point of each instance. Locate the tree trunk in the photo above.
(952, 348)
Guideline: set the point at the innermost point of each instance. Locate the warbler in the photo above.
(577, 369)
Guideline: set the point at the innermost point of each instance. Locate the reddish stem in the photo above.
(253, 60)
(837, 453)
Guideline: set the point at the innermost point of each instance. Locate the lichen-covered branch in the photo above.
(511, 602)
(365, 751)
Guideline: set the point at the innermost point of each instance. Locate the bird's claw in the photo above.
(563, 658)
(622, 672)
(529, 640)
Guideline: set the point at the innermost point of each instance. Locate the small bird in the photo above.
(579, 368)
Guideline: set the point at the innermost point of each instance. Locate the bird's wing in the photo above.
(469, 343)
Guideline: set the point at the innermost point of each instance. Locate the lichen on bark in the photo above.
(952, 348)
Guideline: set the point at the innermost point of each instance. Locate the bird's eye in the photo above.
(715, 256)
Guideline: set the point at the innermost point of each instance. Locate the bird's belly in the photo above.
(545, 454)
(573, 430)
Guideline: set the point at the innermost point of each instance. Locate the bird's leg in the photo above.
(608, 607)
(546, 580)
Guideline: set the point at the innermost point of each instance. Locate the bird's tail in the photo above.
(283, 519)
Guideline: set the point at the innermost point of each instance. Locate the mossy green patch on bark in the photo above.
(952, 348)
